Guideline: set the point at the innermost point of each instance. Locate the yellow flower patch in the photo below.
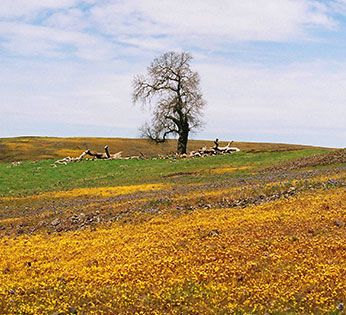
(98, 191)
(68, 152)
(107, 191)
(286, 256)
(225, 170)
(9, 220)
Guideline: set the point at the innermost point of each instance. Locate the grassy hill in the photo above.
(37, 148)
(36, 177)
(261, 231)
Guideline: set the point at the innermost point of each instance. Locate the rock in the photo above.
(74, 218)
(28, 263)
(213, 233)
(299, 297)
(55, 222)
(92, 262)
(72, 310)
(339, 223)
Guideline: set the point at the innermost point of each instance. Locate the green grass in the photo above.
(37, 177)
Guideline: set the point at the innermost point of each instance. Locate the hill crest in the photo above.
(36, 148)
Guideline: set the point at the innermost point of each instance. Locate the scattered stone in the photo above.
(20, 232)
(14, 164)
(92, 262)
(213, 233)
(339, 223)
(75, 218)
(6, 270)
(55, 222)
(329, 158)
(72, 310)
(299, 297)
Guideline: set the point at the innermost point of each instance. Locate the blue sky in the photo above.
(271, 70)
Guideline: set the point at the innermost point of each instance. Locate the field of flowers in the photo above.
(267, 242)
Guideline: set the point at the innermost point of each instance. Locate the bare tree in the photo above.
(171, 89)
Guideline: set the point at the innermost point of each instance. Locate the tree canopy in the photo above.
(171, 90)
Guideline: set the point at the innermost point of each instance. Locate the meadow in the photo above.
(38, 148)
(259, 231)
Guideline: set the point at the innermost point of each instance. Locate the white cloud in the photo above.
(95, 89)
(73, 19)
(304, 100)
(268, 20)
(152, 26)
(339, 6)
(249, 98)
(69, 93)
(28, 9)
(36, 40)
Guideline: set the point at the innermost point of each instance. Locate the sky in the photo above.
(271, 70)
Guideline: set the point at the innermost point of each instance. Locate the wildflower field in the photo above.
(239, 234)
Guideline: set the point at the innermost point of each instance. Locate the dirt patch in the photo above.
(330, 158)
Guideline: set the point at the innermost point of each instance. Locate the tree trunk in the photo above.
(182, 141)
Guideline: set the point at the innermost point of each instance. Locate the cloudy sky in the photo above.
(271, 70)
